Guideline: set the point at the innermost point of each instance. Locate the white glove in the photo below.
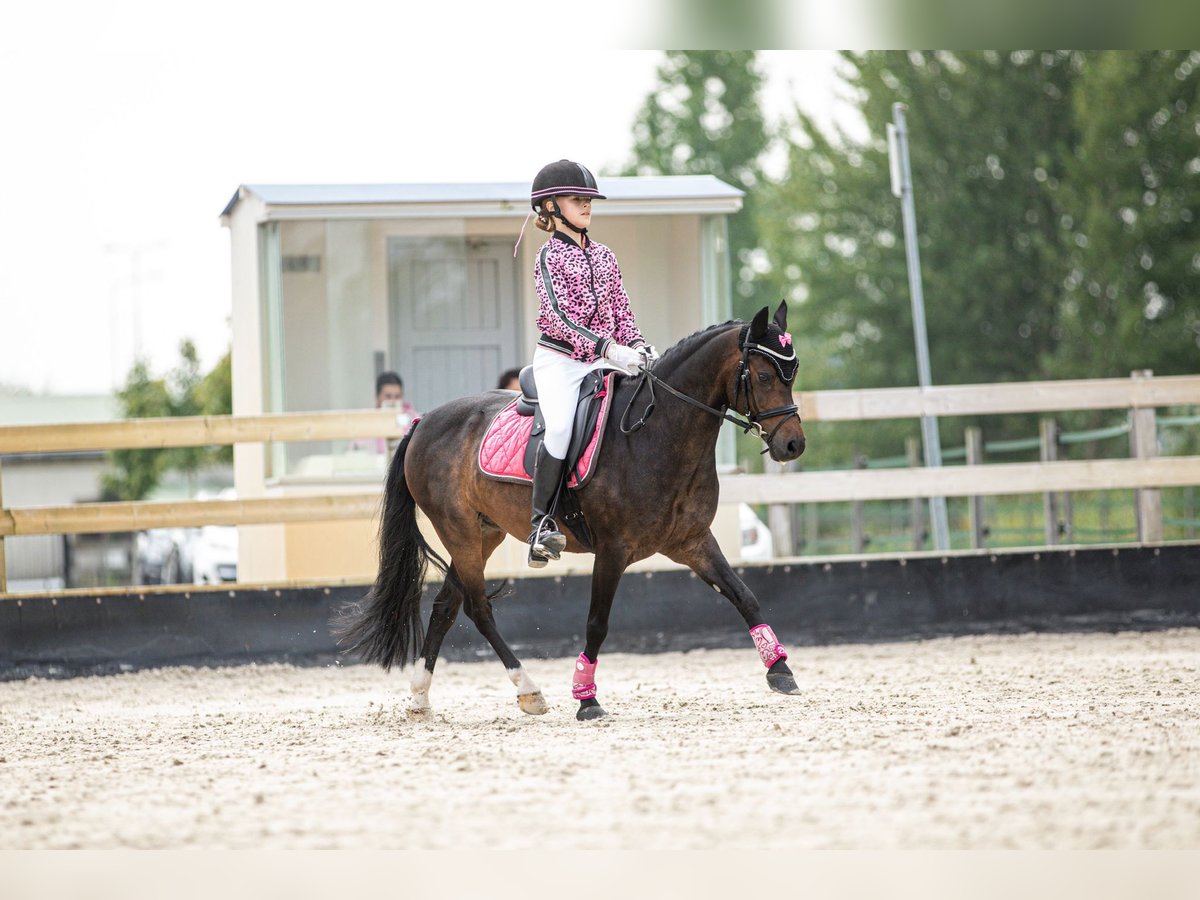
(650, 353)
(624, 357)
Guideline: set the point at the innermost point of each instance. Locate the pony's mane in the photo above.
(686, 345)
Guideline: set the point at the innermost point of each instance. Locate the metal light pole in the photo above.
(897, 132)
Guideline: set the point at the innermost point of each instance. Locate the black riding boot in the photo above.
(546, 542)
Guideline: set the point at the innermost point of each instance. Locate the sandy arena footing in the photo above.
(1031, 741)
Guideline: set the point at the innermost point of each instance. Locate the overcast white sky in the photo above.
(123, 136)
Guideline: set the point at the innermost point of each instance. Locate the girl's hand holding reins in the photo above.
(626, 357)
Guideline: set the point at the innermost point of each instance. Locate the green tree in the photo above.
(703, 118)
(183, 392)
(135, 473)
(1057, 199)
(988, 137)
(184, 382)
(991, 136)
(214, 394)
(1132, 290)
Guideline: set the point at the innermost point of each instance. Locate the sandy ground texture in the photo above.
(1052, 740)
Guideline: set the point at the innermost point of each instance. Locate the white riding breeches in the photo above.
(558, 378)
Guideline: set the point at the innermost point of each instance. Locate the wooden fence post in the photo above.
(973, 437)
(858, 523)
(1143, 444)
(916, 509)
(1048, 435)
(779, 516)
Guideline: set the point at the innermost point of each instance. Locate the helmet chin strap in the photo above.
(558, 214)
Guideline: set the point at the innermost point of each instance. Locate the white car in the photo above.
(757, 542)
(163, 556)
(214, 554)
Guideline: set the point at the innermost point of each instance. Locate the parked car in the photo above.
(205, 555)
(163, 556)
(757, 541)
(214, 554)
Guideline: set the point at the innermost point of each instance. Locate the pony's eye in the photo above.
(763, 377)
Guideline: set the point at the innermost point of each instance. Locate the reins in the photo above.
(754, 417)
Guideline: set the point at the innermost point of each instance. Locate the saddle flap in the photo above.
(509, 447)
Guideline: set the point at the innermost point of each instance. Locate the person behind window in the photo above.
(389, 394)
(510, 380)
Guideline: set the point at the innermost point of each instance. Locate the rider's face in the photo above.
(577, 210)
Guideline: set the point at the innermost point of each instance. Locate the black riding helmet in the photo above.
(563, 178)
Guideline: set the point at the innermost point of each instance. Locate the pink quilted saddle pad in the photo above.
(502, 451)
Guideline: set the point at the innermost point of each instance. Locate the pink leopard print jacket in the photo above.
(584, 307)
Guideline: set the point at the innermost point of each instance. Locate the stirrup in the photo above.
(546, 542)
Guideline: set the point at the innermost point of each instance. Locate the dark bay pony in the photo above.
(654, 492)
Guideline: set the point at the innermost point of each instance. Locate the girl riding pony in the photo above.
(585, 324)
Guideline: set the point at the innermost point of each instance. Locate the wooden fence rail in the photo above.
(1140, 393)
(198, 431)
(100, 518)
(960, 481)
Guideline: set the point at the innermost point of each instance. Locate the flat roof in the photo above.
(48, 409)
(641, 190)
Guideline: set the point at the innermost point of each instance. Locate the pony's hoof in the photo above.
(782, 682)
(419, 713)
(588, 710)
(533, 704)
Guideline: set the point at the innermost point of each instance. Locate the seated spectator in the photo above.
(389, 394)
(509, 380)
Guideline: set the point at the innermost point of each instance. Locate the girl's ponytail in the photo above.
(545, 221)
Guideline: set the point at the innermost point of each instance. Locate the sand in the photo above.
(1034, 741)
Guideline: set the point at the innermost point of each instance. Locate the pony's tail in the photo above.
(385, 626)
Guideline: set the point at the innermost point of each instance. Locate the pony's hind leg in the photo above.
(707, 561)
(446, 605)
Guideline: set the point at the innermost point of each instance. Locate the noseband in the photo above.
(742, 384)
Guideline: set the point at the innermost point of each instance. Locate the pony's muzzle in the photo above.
(794, 447)
(785, 447)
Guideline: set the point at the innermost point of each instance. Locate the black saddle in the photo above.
(587, 411)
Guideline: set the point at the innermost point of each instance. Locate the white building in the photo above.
(335, 283)
(40, 562)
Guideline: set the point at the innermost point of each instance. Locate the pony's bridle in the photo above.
(742, 384)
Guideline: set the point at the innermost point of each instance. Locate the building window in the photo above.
(345, 299)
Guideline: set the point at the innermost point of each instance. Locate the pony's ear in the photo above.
(758, 328)
(781, 315)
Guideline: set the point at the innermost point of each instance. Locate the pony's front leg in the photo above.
(606, 575)
(707, 561)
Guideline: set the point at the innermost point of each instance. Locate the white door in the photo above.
(454, 319)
